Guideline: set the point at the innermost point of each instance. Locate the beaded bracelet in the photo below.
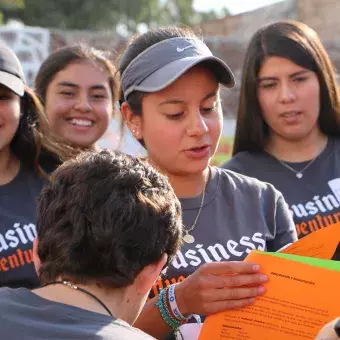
(166, 315)
(167, 306)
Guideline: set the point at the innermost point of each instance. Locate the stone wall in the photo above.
(322, 15)
(33, 44)
(243, 26)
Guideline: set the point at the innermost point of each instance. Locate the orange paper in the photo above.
(321, 244)
(299, 300)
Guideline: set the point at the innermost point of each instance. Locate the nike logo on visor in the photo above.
(179, 49)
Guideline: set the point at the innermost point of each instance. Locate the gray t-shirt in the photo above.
(314, 200)
(18, 229)
(239, 214)
(25, 315)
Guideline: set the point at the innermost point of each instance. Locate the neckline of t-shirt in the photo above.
(24, 294)
(210, 192)
(16, 179)
(323, 155)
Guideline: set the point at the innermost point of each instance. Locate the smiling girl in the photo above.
(27, 153)
(288, 123)
(77, 86)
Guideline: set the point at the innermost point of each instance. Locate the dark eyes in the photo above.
(5, 96)
(270, 85)
(180, 114)
(67, 93)
(93, 96)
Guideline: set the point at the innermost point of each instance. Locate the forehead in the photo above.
(276, 66)
(84, 73)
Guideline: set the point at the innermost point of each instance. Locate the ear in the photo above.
(149, 275)
(133, 121)
(36, 259)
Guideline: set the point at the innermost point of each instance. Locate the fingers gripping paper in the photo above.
(302, 294)
(300, 299)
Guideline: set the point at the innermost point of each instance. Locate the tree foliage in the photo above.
(101, 14)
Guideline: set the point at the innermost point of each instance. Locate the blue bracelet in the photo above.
(167, 318)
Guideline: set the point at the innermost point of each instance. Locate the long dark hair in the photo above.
(300, 44)
(33, 144)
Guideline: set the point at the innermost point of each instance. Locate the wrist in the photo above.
(180, 299)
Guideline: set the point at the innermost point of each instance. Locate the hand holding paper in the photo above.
(201, 292)
(302, 294)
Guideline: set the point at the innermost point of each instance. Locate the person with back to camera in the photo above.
(170, 101)
(288, 122)
(78, 89)
(28, 152)
(107, 224)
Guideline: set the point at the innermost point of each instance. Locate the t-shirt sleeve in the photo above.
(285, 231)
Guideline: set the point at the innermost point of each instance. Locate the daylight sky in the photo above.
(234, 6)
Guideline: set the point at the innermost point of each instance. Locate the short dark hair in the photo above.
(299, 43)
(104, 217)
(61, 58)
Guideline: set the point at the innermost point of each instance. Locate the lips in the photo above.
(291, 117)
(290, 114)
(198, 148)
(198, 152)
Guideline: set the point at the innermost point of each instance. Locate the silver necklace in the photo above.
(299, 173)
(187, 238)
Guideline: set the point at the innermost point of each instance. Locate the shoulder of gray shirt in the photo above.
(248, 184)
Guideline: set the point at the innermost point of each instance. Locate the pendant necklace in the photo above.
(188, 238)
(299, 173)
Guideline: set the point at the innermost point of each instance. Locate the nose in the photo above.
(83, 104)
(287, 93)
(197, 125)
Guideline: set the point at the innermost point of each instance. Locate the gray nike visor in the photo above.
(163, 63)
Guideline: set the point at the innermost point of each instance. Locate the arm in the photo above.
(213, 288)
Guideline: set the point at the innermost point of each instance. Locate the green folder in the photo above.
(327, 264)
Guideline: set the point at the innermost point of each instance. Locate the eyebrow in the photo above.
(93, 87)
(178, 101)
(298, 73)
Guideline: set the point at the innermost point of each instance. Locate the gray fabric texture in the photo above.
(314, 200)
(18, 229)
(239, 214)
(25, 315)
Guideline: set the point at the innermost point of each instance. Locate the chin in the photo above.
(196, 167)
(82, 144)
